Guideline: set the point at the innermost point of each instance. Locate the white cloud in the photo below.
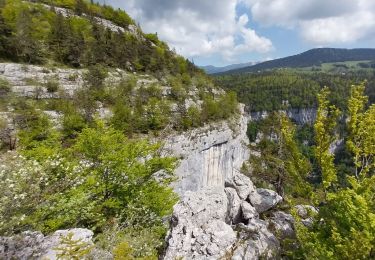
(319, 21)
(198, 27)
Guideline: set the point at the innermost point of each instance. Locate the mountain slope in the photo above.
(213, 69)
(314, 57)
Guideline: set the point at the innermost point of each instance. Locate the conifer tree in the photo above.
(28, 49)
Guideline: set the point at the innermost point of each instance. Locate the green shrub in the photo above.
(5, 86)
(252, 131)
(52, 85)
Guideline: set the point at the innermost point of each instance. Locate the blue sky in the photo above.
(235, 31)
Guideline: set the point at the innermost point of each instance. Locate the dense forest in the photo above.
(274, 90)
(76, 37)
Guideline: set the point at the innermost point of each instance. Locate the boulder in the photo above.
(282, 224)
(255, 242)
(248, 211)
(234, 206)
(306, 211)
(242, 184)
(264, 199)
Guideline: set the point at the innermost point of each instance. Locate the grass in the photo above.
(32, 82)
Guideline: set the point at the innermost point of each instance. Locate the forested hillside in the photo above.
(82, 35)
(314, 57)
(274, 90)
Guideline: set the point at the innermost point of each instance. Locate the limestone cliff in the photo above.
(299, 116)
(209, 154)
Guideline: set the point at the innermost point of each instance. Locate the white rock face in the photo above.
(255, 242)
(300, 116)
(248, 211)
(29, 80)
(34, 245)
(199, 228)
(214, 223)
(209, 155)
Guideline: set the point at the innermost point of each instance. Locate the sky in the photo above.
(226, 32)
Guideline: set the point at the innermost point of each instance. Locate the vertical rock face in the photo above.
(300, 116)
(209, 154)
(219, 215)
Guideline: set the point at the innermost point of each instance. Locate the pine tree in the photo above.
(59, 37)
(28, 49)
(80, 7)
(5, 36)
(66, 44)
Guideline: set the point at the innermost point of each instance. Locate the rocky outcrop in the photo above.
(32, 80)
(281, 224)
(218, 222)
(209, 155)
(299, 116)
(34, 245)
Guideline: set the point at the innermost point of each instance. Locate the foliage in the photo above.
(280, 162)
(324, 127)
(52, 85)
(4, 87)
(35, 33)
(361, 140)
(345, 225)
(102, 177)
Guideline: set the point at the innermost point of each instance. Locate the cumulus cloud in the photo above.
(198, 27)
(319, 21)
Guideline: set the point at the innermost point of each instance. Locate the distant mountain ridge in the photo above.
(210, 69)
(313, 57)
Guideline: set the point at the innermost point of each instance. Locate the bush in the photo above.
(5, 87)
(252, 131)
(52, 85)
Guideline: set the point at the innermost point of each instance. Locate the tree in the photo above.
(66, 44)
(324, 126)
(80, 7)
(281, 163)
(28, 48)
(361, 127)
(345, 225)
(5, 37)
